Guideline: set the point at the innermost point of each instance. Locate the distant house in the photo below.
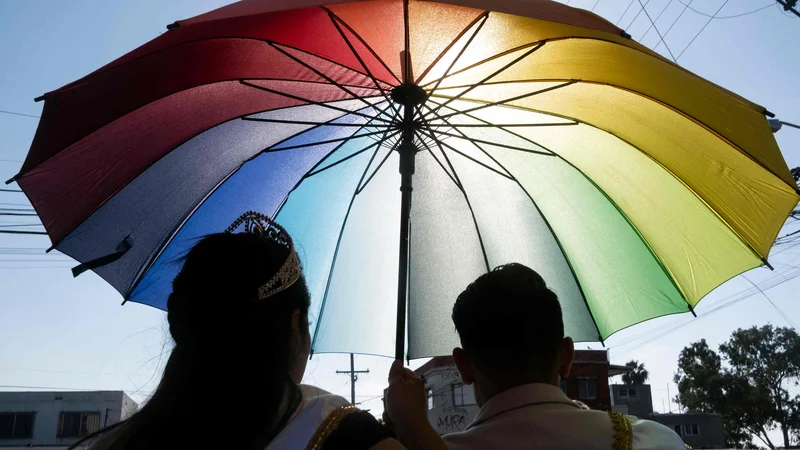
(31, 419)
(452, 405)
(635, 400)
(698, 430)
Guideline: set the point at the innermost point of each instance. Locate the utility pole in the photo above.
(789, 5)
(353, 378)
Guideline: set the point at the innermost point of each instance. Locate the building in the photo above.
(698, 430)
(452, 405)
(30, 419)
(634, 400)
(588, 379)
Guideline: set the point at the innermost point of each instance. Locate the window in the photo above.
(678, 430)
(632, 393)
(587, 388)
(623, 393)
(77, 424)
(429, 394)
(16, 425)
(691, 430)
(463, 395)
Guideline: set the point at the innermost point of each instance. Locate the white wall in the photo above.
(446, 417)
(48, 405)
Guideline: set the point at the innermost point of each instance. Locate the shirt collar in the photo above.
(519, 396)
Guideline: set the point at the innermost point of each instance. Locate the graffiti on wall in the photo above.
(449, 417)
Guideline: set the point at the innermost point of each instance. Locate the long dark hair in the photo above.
(226, 383)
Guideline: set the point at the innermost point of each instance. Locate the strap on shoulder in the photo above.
(328, 425)
(623, 433)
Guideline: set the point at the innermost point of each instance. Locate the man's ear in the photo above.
(464, 365)
(567, 357)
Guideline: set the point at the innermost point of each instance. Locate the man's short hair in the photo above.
(509, 319)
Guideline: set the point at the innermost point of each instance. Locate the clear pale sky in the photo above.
(60, 332)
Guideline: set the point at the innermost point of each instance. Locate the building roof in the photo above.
(435, 363)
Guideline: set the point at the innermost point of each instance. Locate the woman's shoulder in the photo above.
(316, 397)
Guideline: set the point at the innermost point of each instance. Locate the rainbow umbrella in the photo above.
(529, 131)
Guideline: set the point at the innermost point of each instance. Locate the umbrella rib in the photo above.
(327, 141)
(609, 199)
(324, 124)
(376, 144)
(450, 46)
(466, 198)
(496, 144)
(314, 167)
(510, 125)
(335, 21)
(336, 250)
(499, 102)
(329, 79)
(507, 131)
(378, 58)
(314, 102)
(440, 144)
(458, 56)
(497, 72)
(385, 158)
(456, 182)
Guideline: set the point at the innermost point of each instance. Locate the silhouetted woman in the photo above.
(238, 313)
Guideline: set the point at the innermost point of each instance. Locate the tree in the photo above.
(768, 358)
(746, 385)
(637, 375)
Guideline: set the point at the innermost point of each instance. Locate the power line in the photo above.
(670, 27)
(637, 14)
(38, 233)
(701, 30)
(19, 114)
(353, 377)
(595, 5)
(623, 14)
(653, 22)
(785, 317)
(733, 16)
(10, 190)
(659, 33)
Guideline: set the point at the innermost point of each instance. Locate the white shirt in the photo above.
(540, 416)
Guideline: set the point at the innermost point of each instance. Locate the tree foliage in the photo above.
(637, 375)
(746, 383)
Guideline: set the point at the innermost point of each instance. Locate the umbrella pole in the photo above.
(410, 96)
(406, 173)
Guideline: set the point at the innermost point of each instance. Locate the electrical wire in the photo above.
(733, 16)
(778, 310)
(623, 14)
(19, 114)
(701, 30)
(653, 24)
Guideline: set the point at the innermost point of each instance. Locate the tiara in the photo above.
(289, 273)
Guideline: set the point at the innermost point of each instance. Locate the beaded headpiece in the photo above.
(289, 273)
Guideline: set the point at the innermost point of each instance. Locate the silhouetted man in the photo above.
(513, 351)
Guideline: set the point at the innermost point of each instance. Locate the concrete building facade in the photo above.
(637, 399)
(698, 430)
(58, 418)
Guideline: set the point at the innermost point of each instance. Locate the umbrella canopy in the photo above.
(529, 131)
